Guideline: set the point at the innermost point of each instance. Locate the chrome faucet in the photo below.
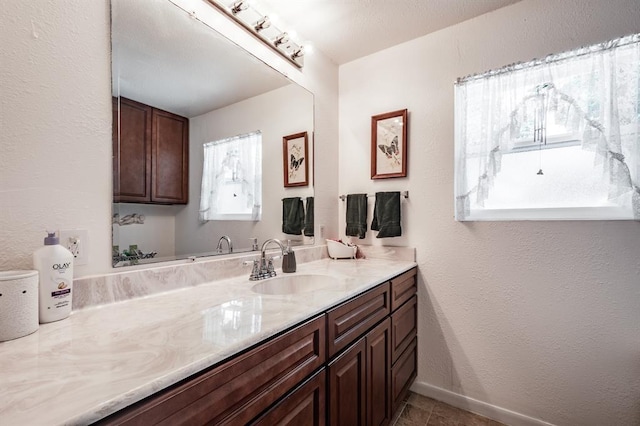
(229, 244)
(263, 268)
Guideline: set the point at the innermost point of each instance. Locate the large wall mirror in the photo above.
(178, 88)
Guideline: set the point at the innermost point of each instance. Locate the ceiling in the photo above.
(159, 58)
(345, 30)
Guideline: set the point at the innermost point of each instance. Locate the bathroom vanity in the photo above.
(229, 351)
(357, 359)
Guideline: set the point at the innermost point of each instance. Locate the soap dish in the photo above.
(339, 250)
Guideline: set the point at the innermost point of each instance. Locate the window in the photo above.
(232, 179)
(556, 138)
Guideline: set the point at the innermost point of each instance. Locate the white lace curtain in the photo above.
(234, 163)
(592, 91)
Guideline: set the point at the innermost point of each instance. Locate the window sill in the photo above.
(561, 213)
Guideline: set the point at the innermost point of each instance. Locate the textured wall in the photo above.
(540, 318)
(56, 127)
(55, 82)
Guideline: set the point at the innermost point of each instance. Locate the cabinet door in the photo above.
(132, 152)
(402, 374)
(347, 386)
(403, 327)
(378, 374)
(170, 165)
(305, 406)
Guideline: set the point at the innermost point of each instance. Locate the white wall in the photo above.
(157, 233)
(55, 166)
(278, 113)
(540, 318)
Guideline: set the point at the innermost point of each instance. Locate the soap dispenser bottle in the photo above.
(289, 259)
(55, 269)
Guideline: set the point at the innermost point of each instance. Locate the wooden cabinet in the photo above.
(403, 373)
(169, 158)
(369, 378)
(404, 327)
(353, 318)
(379, 374)
(131, 151)
(404, 331)
(304, 406)
(359, 381)
(403, 287)
(238, 390)
(351, 365)
(150, 154)
(347, 386)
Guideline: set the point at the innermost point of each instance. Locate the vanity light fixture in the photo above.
(245, 13)
(298, 53)
(239, 6)
(262, 24)
(281, 39)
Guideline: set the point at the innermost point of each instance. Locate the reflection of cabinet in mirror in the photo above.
(150, 156)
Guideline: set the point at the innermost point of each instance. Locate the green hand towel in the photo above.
(308, 218)
(386, 215)
(356, 215)
(292, 215)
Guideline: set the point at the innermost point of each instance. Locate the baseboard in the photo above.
(485, 409)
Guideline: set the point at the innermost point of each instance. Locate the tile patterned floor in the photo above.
(418, 410)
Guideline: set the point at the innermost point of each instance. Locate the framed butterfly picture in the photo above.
(295, 160)
(389, 145)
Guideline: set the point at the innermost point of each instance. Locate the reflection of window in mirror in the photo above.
(232, 179)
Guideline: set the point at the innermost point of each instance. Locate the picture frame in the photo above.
(295, 159)
(389, 145)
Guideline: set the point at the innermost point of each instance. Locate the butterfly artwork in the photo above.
(296, 161)
(391, 150)
(389, 145)
(295, 164)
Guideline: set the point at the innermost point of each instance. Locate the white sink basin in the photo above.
(296, 283)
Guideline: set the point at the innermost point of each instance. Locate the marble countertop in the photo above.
(102, 359)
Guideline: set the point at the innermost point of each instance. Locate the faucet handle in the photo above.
(255, 270)
(270, 270)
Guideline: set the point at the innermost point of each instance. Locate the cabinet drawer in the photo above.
(402, 374)
(352, 319)
(241, 388)
(402, 288)
(305, 406)
(403, 327)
